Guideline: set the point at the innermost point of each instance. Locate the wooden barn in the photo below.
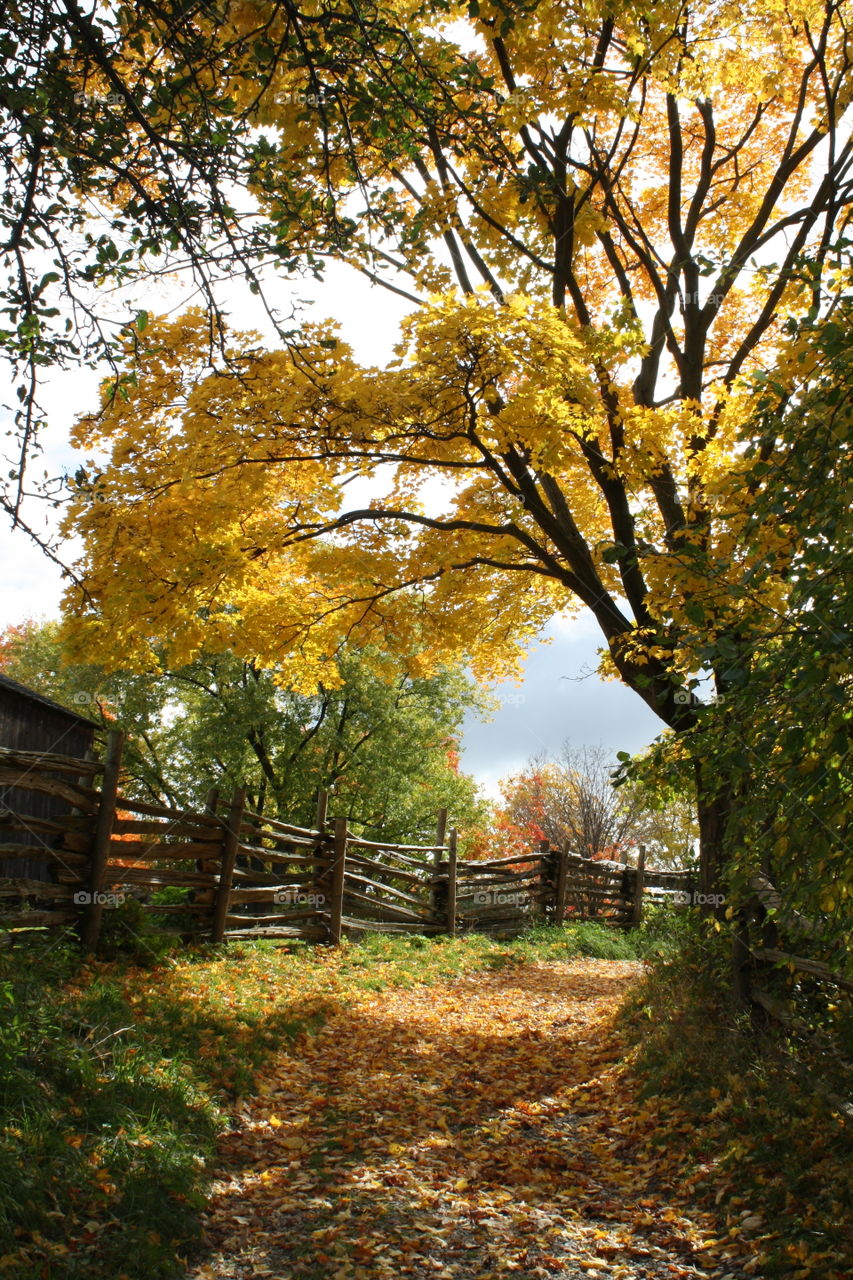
(31, 722)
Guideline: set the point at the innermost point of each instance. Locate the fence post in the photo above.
(319, 867)
(101, 841)
(546, 873)
(230, 845)
(561, 885)
(441, 831)
(338, 880)
(451, 883)
(436, 898)
(637, 912)
(207, 866)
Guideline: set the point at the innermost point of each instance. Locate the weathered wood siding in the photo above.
(30, 722)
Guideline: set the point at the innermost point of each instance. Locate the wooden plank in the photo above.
(385, 888)
(545, 895)
(257, 822)
(101, 842)
(171, 908)
(484, 920)
(370, 864)
(148, 850)
(484, 886)
(592, 890)
(387, 908)
(267, 839)
(230, 845)
(206, 851)
(29, 919)
(267, 893)
(337, 880)
(277, 917)
(195, 831)
(815, 967)
(310, 933)
(158, 877)
(321, 865)
(250, 876)
(163, 811)
(393, 849)
(38, 853)
(81, 824)
(585, 875)
(602, 866)
(667, 880)
(21, 887)
(476, 867)
(74, 842)
(83, 798)
(383, 926)
(280, 855)
(786, 918)
(48, 762)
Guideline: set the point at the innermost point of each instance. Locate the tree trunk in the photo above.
(713, 801)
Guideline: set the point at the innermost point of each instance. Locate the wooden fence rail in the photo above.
(228, 873)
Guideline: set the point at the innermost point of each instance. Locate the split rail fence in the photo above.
(230, 873)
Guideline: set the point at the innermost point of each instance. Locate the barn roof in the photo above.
(23, 691)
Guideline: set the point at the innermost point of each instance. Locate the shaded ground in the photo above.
(475, 1129)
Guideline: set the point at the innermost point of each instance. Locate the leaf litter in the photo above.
(481, 1128)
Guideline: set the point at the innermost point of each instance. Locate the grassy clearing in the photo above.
(116, 1077)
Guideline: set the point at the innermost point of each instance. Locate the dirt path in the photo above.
(473, 1130)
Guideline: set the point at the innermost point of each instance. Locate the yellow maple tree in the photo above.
(600, 212)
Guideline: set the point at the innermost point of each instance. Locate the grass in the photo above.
(763, 1112)
(115, 1077)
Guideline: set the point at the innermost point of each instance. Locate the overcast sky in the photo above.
(559, 698)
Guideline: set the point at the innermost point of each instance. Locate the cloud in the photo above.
(559, 698)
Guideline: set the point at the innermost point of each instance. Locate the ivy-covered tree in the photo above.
(781, 733)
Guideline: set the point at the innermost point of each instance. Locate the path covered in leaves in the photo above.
(476, 1129)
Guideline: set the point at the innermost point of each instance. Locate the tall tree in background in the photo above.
(572, 802)
(385, 746)
(599, 212)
